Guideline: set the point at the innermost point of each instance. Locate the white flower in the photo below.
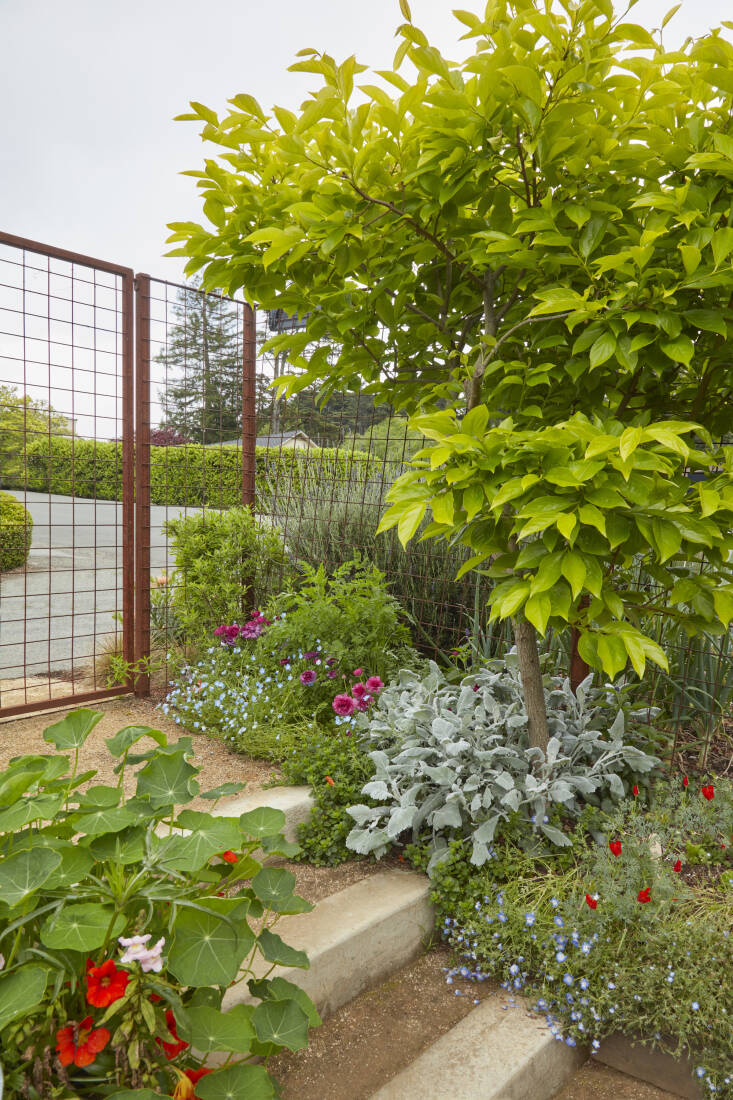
(137, 950)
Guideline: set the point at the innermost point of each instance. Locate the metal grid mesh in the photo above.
(65, 387)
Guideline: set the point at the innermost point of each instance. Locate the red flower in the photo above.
(643, 895)
(230, 857)
(171, 1050)
(685, 781)
(591, 902)
(678, 866)
(195, 1075)
(708, 792)
(105, 984)
(330, 781)
(635, 790)
(615, 846)
(83, 1049)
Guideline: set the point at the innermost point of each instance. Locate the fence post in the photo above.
(249, 412)
(142, 477)
(128, 473)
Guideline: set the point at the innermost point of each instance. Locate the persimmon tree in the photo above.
(527, 251)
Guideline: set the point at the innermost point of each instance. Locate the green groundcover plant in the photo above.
(317, 654)
(455, 759)
(629, 931)
(16, 533)
(128, 929)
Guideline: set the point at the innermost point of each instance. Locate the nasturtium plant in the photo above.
(541, 228)
(137, 935)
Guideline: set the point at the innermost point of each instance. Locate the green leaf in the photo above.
(264, 821)
(205, 949)
(709, 320)
(667, 537)
(281, 1022)
(130, 735)
(23, 873)
(592, 516)
(43, 808)
(681, 349)
(225, 790)
(275, 951)
(514, 599)
(475, 421)
(722, 244)
(602, 349)
(629, 441)
(167, 780)
(723, 603)
(409, 522)
(124, 848)
(208, 1028)
(21, 992)
(274, 887)
(280, 989)
(612, 653)
(548, 573)
(405, 9)
(80, 927)
(537, 610)
(107, 821)
(574, 570)
(237, 1082)
(16, 782)
(72, 731)
(208, 836)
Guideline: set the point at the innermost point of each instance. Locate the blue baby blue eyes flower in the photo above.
(695, 1006)
(559, 922)
(584, 983)
(560, 956)
(529, 919)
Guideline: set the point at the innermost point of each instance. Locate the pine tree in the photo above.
(202, 394)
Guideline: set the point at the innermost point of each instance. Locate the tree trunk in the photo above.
(578, 667)
(525, 637)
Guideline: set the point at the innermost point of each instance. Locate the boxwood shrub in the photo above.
(185, 476)
(16, 532)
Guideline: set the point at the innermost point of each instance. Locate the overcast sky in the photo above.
(89, 155)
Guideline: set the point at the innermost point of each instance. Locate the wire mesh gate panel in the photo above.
(66, 389)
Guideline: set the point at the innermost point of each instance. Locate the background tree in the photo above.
(202, 359)
(22, 420)
(542, 230)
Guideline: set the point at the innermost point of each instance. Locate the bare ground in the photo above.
(25, 735)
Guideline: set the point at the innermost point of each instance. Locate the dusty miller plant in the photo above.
(455, 759)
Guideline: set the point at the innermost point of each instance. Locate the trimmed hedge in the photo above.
(185, 476)
(16, 532)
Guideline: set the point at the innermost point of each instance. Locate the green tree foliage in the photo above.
(538, 230)
(24, 419)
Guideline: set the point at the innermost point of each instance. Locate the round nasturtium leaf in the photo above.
(72, 731)
(80, 927)
(21, 992)
(207, 950)
(26, 871)
(130, 735)
(167, 780)
(283, 1023)
(264, 821)
(210, 1029)
(236, 1082)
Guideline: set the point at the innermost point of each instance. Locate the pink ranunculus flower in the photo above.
(344, 705)
(137, 950)
(364, 702)
(332, 673)
(358, 672)
(359, 690)
(374, 685)
(309, 676)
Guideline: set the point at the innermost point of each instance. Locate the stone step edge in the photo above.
(355, 939)
(295, 802)
(491, 1054)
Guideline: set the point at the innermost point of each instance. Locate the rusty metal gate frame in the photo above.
(126, 275)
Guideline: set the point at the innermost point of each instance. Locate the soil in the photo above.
(594, 1081)
(315, 883)
(359, 1048)
(25, 735)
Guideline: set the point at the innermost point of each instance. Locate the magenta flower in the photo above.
(332, 673)
(364, 702)
(374, 684)
(311, 655)
(228, 634)
(331, 661)
(284, 660)
(357, 672)
(359, 690)
(344, 705)
(309, 676)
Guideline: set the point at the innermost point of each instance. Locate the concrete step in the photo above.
(295, 802)
(492, 1054)
(354, 939)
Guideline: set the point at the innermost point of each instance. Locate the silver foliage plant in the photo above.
(453, 759)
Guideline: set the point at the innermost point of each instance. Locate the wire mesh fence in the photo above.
(132, 457)
(65, 391)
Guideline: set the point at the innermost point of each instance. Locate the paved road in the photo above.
(59, 611)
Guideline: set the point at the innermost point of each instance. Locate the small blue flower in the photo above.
(695, 1006)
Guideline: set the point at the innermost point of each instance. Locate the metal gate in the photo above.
(82, 345)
